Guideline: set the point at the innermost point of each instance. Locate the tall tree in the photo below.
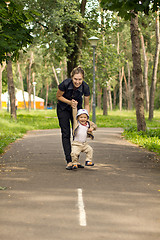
(155, 67)
(29, 83)
(14, 36)
(129, 10)
(105, 101)
(73, 25)
(137, 74)
(21, 80)
(11, 89)
(145, 71)
(2, 67)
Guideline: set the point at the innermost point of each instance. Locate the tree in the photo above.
(11, 89)
(2, 67)
(64, 26)
(73, 25)
(129, 10)
(145, 71)
(21, 81)
(137, 74)
(29, 83)
(14, 32)
(14, 36)
(155, 67)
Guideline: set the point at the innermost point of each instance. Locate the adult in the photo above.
(71, 93)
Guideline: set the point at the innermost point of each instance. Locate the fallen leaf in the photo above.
(3, 188)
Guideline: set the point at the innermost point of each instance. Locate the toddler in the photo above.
(82, 128)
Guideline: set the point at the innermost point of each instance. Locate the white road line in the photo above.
(82, 213)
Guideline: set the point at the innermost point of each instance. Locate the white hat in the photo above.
(82, 111)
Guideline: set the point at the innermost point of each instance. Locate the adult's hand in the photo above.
(74, 103)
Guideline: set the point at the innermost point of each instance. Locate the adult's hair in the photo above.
(77, 70)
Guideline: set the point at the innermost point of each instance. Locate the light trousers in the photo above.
(78, 147)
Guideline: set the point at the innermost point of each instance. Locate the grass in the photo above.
(10, 130)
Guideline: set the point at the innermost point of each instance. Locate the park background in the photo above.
(42, 41)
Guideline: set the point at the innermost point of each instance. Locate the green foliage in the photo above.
(107, 63)
(14, 33)
(124, 8)
(149, 139)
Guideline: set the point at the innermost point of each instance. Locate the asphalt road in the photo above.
(117, 199)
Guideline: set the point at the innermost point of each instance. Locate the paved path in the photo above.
(118, 199)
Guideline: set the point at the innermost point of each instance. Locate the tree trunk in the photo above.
(155, 67)
(2, 67)
(99, 95)
(62, 72)
(72, 60)
(55, 74)
(29, 81)
(120, 75)
(11, 89)
(110, 97)
(0, 87)
(22, 86)
(120, 88)
(114, 96)
(105, 100)
(137, 74)
(47, 90)
(80, 27)
(127, 92)
(145, 72)
(72, 57)
(129, 89)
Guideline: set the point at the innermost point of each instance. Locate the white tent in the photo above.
(39, 102)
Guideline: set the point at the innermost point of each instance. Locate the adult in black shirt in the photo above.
(70, 94)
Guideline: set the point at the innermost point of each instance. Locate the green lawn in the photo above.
(46, 119)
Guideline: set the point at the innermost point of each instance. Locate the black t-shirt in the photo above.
(70, 92)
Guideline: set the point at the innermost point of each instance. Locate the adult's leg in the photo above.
(64, 118)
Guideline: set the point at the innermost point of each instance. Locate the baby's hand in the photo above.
(90, 129)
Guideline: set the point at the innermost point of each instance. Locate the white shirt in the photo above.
(81, 133)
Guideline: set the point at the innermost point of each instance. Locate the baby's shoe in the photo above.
(80, 166)
(89, 163)
(74, 166)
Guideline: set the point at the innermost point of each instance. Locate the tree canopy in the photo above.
(124, 8)
(14, 29)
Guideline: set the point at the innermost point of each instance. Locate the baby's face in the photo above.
(83, 118)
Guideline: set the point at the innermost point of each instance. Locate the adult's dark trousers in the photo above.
(65, 117)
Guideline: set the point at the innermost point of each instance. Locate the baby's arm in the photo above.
(90, 129)
(93, 126)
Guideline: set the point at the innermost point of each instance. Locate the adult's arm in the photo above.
(86, 103)
(60, 97)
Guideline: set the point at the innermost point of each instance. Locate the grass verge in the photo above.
(10, 130)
